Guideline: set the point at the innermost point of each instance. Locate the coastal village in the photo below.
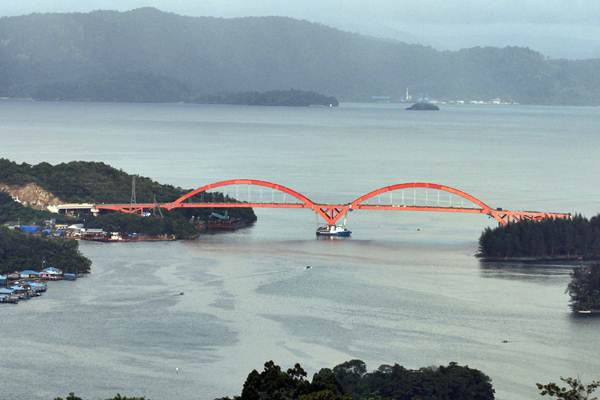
(21, 285)
(78, 231)
(26, 284)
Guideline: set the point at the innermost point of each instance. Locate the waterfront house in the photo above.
(37, 287)
(20, 291)
(14, 276)
(47, 276)
(11, 225)
(93, 234)
(52, 270)
(8, 296)
(69, 276)
(29, 273)
(51, 273)
(31, 229)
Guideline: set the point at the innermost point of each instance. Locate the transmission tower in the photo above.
(133, 199)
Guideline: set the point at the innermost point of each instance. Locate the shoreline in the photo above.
(536, 260)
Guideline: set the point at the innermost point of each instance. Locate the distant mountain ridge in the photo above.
(150, 55)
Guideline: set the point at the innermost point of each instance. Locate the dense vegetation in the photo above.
(19, 251)
(351, 380)
(131, 87)
(584, 288)
(148, 55)
(575, 389)
(72, 396)
(577, 237)
(327, 389)
(292, 98)
(82, 181)
(11, 211)
(171, 223)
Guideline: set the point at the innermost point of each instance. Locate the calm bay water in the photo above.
(406, 288)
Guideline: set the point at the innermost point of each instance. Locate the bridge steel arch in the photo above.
(324, 211)
(332, 213)
(356, 204)
(484, 208)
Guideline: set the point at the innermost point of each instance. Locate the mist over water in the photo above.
(406, 288)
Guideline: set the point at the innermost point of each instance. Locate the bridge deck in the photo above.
(331, 213)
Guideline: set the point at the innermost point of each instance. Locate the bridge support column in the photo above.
(331, 215)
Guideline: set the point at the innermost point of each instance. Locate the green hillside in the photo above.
(149, 55)
(96, 182)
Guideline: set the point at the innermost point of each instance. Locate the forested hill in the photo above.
(95, 182)
(84, 181)
(149, 55)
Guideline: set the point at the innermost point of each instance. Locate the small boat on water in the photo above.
(423, 106)
(588, 312)
(333, 231)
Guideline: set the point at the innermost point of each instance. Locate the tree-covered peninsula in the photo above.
(97, 182)
(549, 239)
(289, 98)
(584, 289)
(19, 251)
(12, 211)
(173, 224)
(84, 182)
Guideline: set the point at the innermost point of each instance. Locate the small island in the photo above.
(423, 106)
(288, 98)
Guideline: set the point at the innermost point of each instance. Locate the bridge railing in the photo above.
(413, 196)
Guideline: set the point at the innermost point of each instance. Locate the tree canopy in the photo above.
(11, 211)
(584, 288)
(97, 182)
(171, 223)
(72, 396)
(290, 98)
(575, 389)
(351, 380)
(578, 237)
(19, 251)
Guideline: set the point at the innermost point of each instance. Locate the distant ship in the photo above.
(333, 231)
(223, 222)
(423, 106)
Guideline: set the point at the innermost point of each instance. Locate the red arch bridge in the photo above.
(414, 196)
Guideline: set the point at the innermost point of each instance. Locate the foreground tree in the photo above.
(584, 288)
(575, 389)
(351, 380)
(72, 396)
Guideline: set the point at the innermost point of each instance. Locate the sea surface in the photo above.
(406, 288)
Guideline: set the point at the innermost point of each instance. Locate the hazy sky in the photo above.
(558, 28)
